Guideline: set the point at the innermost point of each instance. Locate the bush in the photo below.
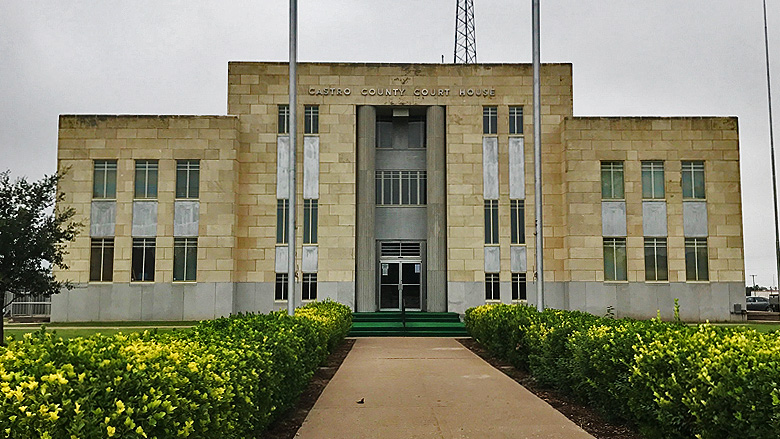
(229, 377)
(670, 380)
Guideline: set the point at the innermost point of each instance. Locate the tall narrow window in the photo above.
(515, 120)
(104, 179)
(146, 179)
(491, 221)
(518, 286)
(282, 226)
(143, 260)
(656, 266)
(615, 268)
(693, 180)
(187, 179)
(101, 264)
(492, 287)
(284, 119)
(310, 221)
(280, 292)
(185, 259)
(384, 132)
(489, 120)
(517, 214)
(311, 119)
(696, 259)
(653, 180)
(612, 181)
(416, 130)
(309, 286)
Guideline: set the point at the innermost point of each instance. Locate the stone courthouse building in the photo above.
(415, 184)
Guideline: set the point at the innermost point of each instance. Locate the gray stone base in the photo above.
(699, 302)
(176, 302)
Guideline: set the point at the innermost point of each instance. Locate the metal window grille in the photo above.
(693, 180)
(185, 259)
(491, 221)
(398, 249)
(489, 120)
(309, 286)
(101, 266)
(282, 226)
(187, 179)
(401, 188)
(311, 119)
(284, 119)
(518, 286)
(653, 180)
(143, 260)
(696, 259)
(492, 287)
(612, 181)
(656, 261)
(515, 120)
(615, 268)
(146, 172)
(104, 179)
(280, 292)
(310, 208)
(517, 217)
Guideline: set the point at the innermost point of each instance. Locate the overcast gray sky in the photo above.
(631, 57)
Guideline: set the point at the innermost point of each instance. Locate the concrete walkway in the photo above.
(428, 388)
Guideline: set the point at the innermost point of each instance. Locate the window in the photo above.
(416, 129)
(656, 268)
(104, 181)
(311, 119)
(401, 188)
(101, 261)
(693, 180)
(143, 260)
(281, 287)
(146, 179)
(187, 179)
(615, 259)
(310, 221)
(491, 221)
(282, 226)
(185, 259)
(515, 120)
(696, 264)
(518, 286)
(489, 120)
(492, 287)
(517, 214)
(284, 119)
(384, 132)
(612, 180)
(309, 286)
(653, 180)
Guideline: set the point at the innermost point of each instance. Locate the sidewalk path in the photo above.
(428, 388)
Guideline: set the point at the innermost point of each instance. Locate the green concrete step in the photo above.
(418, 324)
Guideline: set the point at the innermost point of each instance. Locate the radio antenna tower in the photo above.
(465, 36)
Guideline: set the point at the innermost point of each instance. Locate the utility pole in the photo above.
(772, 144)
(539, 232)
(754, 279)
(293, 129)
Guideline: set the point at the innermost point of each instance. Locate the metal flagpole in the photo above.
(772, 143)
(538, 160)
(293, 130)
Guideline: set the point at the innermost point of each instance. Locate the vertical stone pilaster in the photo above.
(365, 294)
(437, 211)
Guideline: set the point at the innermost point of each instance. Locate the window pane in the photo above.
(283, 123)
(416, 134)
(384, 133)
(663, 265)
(687, 183)
(513, 222)
(192, 259)
(281, 221)
(690, 261)
(702, 264)
(606, 183)
(698, 184)
(314, 218)
(99, 183)
(609, 261)
(194, 184)
(140, 182)
(179, 256)
(151, 183)
(621, 271)
(111, 182)
(181, 183)
(96, 261)
(149, 262)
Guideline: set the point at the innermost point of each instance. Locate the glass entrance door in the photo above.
(400, 281)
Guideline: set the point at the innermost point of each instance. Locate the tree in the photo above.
(33, 235)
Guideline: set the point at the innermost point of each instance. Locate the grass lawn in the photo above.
(85, 329)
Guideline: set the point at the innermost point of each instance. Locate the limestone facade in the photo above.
(237, 250)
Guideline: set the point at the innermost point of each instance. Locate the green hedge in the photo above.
(669, 379)
(226, 378)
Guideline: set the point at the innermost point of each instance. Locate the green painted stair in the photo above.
(416, 324)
